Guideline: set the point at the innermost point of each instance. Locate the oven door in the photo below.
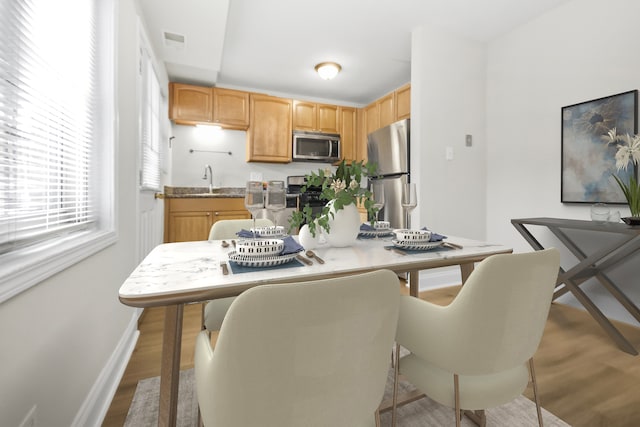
(313, 200)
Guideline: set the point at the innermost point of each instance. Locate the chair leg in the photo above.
(534, 384)
(200, 423)
(396, 374)
(478, 416)
(456, 391)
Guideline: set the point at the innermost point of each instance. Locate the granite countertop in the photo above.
(202, 192)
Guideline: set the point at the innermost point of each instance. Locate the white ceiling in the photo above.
(273, 45)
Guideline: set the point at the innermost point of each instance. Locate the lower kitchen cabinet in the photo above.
(190, 219)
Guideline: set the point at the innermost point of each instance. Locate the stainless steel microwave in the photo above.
(316, 147)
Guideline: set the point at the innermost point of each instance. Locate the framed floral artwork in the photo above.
(588, 161)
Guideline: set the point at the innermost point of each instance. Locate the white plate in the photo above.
(382, 225)
(376, 233)
(259, 247)
(266, 261)
(274, 231)
(416, 246)
(406, 235)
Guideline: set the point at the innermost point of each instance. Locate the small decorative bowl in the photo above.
(381, 225)
(260, 247)
(273, 231)
(405, 235)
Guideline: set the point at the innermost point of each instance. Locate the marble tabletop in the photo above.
(190, 271)
(174, 274)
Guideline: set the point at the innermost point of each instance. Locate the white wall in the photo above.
(580, 51)
(448, 102)
(228, 171)
(61, 338)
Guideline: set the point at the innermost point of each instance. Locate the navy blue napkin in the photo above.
(247, 234)
(435, 237)
(366, 227)
(290, 246)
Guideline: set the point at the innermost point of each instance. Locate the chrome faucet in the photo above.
(207, 168)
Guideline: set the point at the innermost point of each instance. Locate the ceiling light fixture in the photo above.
(328, 70)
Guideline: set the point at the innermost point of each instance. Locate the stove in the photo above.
(310, 196)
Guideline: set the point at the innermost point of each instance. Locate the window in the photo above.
(56, 144)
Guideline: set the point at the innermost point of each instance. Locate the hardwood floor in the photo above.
(583, 377)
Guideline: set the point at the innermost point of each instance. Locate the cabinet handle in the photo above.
(208, 214)
(217, 213)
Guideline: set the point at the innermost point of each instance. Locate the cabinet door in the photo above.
(224, 215)
(386, 110)
(269, 136)
(361, 135)
(304, 116)
(372, 118)
(231, 108)
(348, 132)
(189, 226)
(190, 103)
(328, 118)
(403, 102)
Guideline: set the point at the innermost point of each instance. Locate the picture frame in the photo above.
(588, 162)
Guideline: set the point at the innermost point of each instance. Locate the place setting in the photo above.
(420, 240)
(378, 229)
(262, 253)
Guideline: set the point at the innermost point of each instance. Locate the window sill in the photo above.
(23, 269)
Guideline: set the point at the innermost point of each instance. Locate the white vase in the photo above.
(306, 239)
(344, 226)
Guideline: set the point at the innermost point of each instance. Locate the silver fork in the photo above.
(225, 269)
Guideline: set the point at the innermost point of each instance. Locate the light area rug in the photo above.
(424, 412)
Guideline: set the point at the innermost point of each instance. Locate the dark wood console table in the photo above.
(589, 266)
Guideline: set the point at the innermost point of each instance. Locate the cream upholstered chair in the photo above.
(473, 354)
(213, 311)
(227, 228)
(302, 354)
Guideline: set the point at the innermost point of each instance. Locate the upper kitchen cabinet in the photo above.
(403, 102)
(309, 116)
(269, 136)
(190, 104)
(371, 118)
(231, 108)
(348, 134)
(386, 110)
(389, 109)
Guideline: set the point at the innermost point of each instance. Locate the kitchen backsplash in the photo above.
(228, 170)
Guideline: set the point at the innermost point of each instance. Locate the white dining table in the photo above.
(175, 274)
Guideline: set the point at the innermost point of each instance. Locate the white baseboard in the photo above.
(439, 278)
(95, 406)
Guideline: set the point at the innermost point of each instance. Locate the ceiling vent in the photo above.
(173, 40)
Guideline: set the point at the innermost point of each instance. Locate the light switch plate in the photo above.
(449, 153)
(468, 140)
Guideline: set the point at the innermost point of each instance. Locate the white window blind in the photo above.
(150, 134)
(48, 94)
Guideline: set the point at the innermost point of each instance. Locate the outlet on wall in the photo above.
(30, 419)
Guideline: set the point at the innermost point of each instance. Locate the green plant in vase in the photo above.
(343, 187)
(628, 151)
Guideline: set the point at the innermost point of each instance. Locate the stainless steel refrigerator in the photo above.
(388, 147)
